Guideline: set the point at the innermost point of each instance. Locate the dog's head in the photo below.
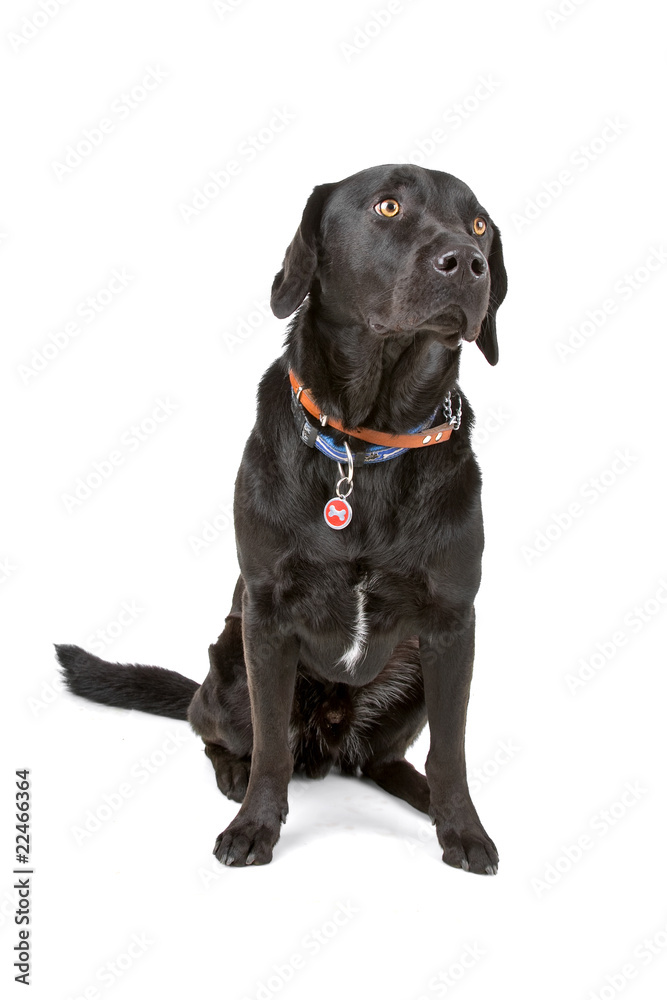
(400, 250)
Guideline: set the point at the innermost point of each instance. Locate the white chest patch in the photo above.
(357, 649)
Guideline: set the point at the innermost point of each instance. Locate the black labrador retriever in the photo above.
(358, 522)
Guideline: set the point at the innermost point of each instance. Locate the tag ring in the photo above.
(339, 493)
(350, 473)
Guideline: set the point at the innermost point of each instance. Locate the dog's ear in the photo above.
(487, 340)
(293, 281)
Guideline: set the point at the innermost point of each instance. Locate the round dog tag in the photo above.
(337, 513)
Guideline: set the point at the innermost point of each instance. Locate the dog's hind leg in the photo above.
(389, 714)
(400, 778)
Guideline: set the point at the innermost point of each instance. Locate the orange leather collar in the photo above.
(424, 439)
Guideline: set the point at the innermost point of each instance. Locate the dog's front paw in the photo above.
(469, 848)
(464, 841)
(247, 842)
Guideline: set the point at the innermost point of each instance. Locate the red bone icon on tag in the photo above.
(337, 513)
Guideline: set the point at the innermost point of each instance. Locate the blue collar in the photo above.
(314, 437)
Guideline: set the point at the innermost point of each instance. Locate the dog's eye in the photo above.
(479, 226)
(389, 208)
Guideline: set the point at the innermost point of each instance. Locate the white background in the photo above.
(546, 925)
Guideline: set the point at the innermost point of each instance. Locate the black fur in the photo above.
(377, 342)
(149, 689)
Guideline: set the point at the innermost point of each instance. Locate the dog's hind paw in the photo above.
(231, 772)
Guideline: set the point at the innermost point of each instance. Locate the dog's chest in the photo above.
(349, 619)
(359, 626)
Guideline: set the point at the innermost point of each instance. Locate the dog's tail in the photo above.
(148, 689)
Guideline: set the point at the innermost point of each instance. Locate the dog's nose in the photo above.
(462, 260)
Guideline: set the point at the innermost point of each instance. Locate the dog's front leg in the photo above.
(447, 660)
(271, 661)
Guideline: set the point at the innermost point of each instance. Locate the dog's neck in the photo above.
(391, 383)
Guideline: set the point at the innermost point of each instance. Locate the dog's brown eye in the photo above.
(479, 226)
(389, 208)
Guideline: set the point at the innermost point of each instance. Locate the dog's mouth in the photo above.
(451, 326)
